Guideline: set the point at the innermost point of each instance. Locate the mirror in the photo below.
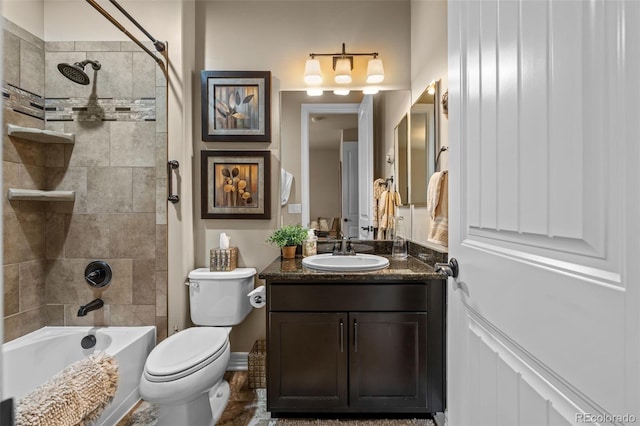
(325, 171)
(416, 143)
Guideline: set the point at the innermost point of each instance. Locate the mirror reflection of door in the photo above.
(333, 174)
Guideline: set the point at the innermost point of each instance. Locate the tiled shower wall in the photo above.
(117, 167)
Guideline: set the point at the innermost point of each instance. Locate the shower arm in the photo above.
(160, 46)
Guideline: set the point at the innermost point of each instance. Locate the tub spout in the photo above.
(91, 306)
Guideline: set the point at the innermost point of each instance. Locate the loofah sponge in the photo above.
(75, 396)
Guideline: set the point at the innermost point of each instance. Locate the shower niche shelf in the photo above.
(40, 135)
(15, 194)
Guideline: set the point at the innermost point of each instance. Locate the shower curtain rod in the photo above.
(160, 46)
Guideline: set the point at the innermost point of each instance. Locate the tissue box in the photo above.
(224, 259)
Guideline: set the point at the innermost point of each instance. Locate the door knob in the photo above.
(451, 268)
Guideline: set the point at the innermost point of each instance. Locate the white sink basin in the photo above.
(359, 262)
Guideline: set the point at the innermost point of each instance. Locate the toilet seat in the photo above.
(185, 353)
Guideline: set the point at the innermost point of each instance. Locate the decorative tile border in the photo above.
(22, 101)
(78, 109)
(100, 109)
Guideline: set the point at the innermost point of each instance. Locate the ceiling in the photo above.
(325, 130)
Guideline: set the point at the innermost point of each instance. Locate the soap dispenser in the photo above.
(310, 245)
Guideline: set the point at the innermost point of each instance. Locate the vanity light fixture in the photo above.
(314, 91)
(341, 92)
(342, 65)
(370, 90)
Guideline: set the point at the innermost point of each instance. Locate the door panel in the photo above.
(349, 225)
(387, 360)
(308, 361)
(542, 211)
(365, 171)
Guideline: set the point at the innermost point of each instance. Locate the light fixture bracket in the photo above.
(343, 55)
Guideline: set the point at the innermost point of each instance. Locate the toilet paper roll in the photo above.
(258, 297)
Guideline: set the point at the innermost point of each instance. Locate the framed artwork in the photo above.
(236, 106)
(235, 184)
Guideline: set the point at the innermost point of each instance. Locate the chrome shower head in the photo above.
(76, 72)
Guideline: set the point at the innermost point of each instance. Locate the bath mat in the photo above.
(75, 396)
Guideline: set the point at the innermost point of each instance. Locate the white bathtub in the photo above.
(31, 360)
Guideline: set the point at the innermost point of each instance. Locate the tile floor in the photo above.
(248, 407)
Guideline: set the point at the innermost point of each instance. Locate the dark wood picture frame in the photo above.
(235, 184)
(236, 106)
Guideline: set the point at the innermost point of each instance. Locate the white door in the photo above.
(365, 169)
(544, 116)
(349, 182)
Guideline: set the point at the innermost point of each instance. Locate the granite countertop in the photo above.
(409, 269)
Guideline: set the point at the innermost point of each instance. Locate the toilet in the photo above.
(183, 375)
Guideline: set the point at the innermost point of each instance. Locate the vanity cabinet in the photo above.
(355, 347)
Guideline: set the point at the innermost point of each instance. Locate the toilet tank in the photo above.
(220, 298)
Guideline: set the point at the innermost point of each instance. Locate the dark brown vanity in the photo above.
(346, 343)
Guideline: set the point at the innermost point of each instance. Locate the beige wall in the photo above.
(28, 14)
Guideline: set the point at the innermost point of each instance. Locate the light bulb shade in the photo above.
(370, 90)
(343, 71)
(375, 71)
(314, 91)
(312, 74)
(341, 92)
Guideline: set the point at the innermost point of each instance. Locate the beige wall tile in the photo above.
(32, 284)
(23, 323)
(68, 179)
(109, 190)
(11, 179)
(161, 329)
(161, 293)
(144, 69)
(161, 248)
(161, 156)
(144, 282)
(133, 144)
(19, 150)
(11, 58)
(31, 68)
(11, 275)
(87, 237)
(92, 143)
(161, 110)
(65, 282)
(97, 46)
(23, 238)
(32, 177)
(55, 156)
(119, 291)
(115, 78)
(57, 226)
(144, 194)
(161, 198)
(55, 315)
(132, 315)
(59, 46)
(132, 235)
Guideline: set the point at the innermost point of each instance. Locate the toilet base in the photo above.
(205, 410)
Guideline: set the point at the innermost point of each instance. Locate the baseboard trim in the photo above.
(239, 361)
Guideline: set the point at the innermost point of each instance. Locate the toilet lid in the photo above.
(186, 352)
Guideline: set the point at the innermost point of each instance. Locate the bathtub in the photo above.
(32, 359)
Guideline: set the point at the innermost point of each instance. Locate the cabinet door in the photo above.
(307, 361)
(387, 361)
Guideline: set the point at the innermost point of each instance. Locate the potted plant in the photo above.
(287, 238)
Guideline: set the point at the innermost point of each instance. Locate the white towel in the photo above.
(438, 208)
(286, 179)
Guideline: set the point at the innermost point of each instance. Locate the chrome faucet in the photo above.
(343, 247)
(91, 306)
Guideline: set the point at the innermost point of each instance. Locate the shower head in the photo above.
(76, 72)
